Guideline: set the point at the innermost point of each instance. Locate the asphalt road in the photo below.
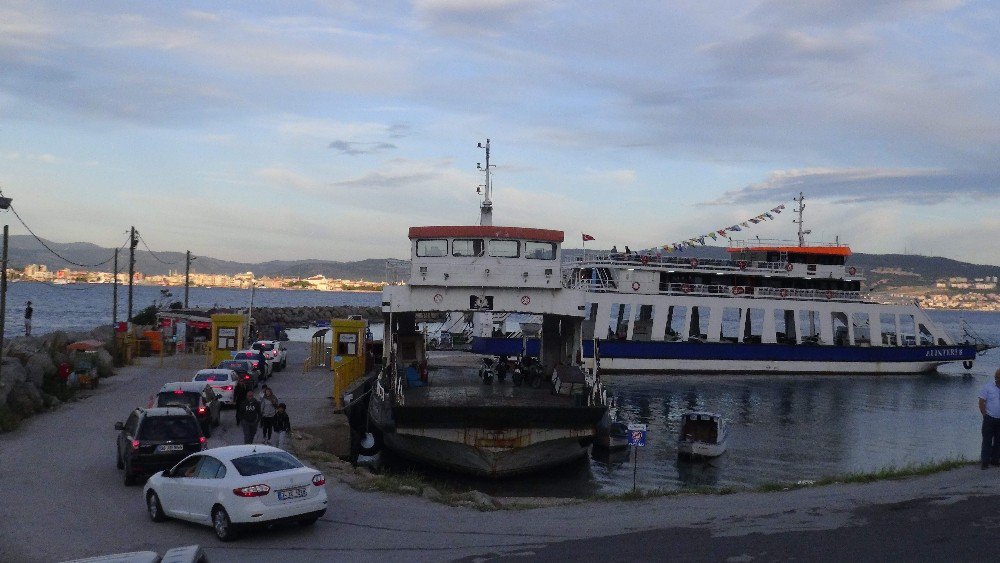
(61, 497)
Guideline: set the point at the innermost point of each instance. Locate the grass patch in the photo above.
(892, 473)
(394, 483)
(8, 420)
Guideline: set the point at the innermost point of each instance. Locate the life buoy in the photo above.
(525, 300)
(635, 286)
(686, 288)
(783, 292)
(645, 259)
(829, 294)
(737, 290)
(852, 270)
(742, 264)
(788, 267)
(967, 364)
(694, 262)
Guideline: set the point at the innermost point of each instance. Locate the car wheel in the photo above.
(154, 508)
(224, 528)
(129, 476)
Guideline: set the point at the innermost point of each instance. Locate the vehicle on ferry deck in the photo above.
(234, 487)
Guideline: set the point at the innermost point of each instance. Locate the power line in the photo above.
(153, 254)
(49, 248)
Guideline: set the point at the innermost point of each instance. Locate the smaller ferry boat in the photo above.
(703, 434)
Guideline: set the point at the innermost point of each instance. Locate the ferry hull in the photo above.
(665, 357)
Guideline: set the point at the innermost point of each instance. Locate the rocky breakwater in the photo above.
(29, 376)
(267, 317)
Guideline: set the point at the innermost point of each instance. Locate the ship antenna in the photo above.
(802, 205)
(486, 208)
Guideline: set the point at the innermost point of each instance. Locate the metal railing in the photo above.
(720, 290)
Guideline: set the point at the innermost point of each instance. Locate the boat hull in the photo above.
(698, 449)
(660, 357)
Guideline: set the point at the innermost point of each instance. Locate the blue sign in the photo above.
(637, 435)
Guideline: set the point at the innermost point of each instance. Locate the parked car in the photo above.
(275, 351)
(153, 439)
(253, 356)
(243, 368)
(232, 487)
(186, 554)
(198, 397)
(223, 381)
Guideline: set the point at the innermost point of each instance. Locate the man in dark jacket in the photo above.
(249, 413)
(240, 394)
(282, 426)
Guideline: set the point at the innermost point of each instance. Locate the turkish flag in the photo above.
(587, 237)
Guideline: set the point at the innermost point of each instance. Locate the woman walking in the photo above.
(268, 408)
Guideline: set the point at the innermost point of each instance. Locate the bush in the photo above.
(146, 316)
(55, 386)
(8, 420)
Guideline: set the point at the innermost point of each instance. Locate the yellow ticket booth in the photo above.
(228, 333)
(348, 353)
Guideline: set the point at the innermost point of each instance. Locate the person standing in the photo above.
(28, 311)
(268, 408)
(282, 426)
(249, 413)
(240, 394)
(989, 406)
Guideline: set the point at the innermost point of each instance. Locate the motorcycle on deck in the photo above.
(487, 371)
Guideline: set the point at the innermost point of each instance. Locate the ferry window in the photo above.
(676, 321)
(862, 328)
(730, 324)
(503, 248)
(809, 326)
(467, 247)
(432, 248)
(540, 250)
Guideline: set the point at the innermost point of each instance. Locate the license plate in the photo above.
(169, 448)
(288, 494)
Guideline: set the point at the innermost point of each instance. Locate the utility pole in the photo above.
(187, 278)
(3, 292)
(114, 312)
(132, 243)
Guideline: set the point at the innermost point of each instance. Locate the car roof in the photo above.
(214, 371)
(227, 453)
(166, 411)
(183, 386)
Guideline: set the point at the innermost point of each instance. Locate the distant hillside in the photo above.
(891, 270)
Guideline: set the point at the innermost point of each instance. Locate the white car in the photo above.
(273, 350)
(233, 487)
(254, 356)
(223, 381)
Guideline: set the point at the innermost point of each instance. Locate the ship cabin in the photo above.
(817, 272)
(485, 257)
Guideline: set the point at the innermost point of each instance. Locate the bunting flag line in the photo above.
(724, 232)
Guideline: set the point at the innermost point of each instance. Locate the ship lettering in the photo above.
(944, 353)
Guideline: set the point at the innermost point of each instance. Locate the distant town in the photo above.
(41, 273)
(978, 294)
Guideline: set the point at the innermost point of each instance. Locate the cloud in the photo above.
(912, 186)
(353, 148)
(850, 12)
(487, 17)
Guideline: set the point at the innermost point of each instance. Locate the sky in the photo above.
(258, 131)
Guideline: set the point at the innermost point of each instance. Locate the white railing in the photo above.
(718, 290)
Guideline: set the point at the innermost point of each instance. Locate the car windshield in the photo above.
(172, 399)
(211, 377)
(169, 428)
(266, 462)
(235, 366)
(265, 346)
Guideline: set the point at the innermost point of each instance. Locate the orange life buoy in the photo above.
(852, 270)
(686, 288)
(829, 294)
(694, 262)
(645, 259)
(783, 292)
(635, 286)
(742, 264)
(788, 267)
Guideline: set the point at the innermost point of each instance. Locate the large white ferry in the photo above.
(780, 307)
(457, 420)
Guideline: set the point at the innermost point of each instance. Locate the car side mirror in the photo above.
(119, 426)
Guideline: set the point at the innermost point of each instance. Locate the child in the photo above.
(282, 426)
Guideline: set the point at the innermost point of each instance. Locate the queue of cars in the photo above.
(229, 487)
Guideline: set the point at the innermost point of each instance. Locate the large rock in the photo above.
(105, 364)
(11, 374)
(38, 366)
(25, 399)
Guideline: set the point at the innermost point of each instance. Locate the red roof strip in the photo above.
(824, 250)
(547, 235)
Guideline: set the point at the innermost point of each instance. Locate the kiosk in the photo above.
(348, 363)
(228, 334)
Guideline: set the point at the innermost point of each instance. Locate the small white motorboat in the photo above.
(703, 434)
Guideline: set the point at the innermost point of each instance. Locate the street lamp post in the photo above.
(4, 204)
(253, 290)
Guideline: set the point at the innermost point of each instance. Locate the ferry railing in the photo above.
(681, 262)
(720, 290)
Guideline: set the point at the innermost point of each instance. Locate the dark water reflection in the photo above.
(782, 428)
